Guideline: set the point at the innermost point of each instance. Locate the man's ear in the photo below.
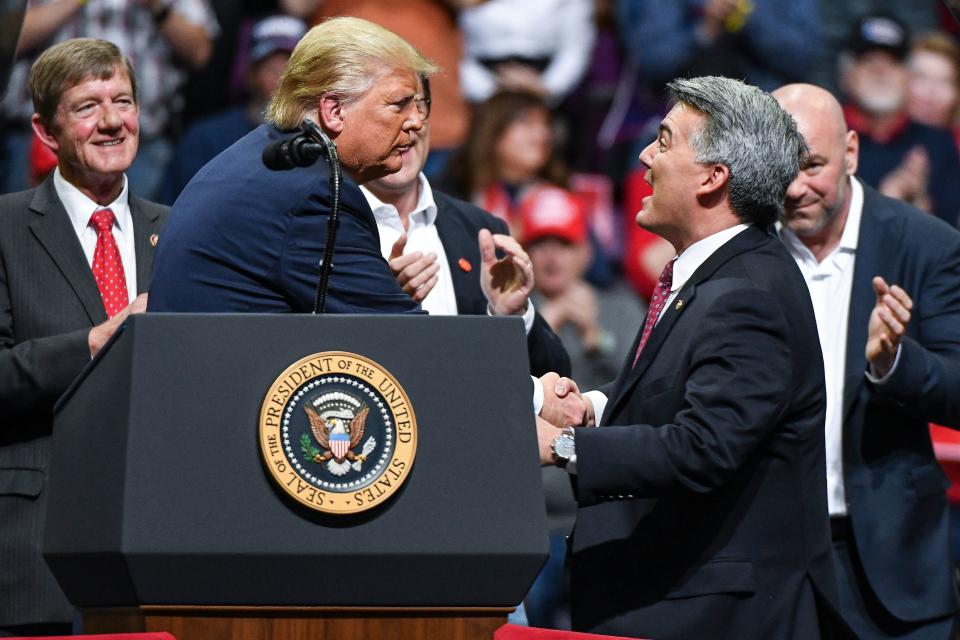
(331, 113)
(714, 179)
(45, 132)
(851, 155)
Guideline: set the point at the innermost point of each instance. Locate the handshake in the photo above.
(563, 406)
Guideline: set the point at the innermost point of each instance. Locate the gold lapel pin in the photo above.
(153, 240)
(679, 305)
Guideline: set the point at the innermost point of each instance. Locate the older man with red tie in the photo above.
(74, 254)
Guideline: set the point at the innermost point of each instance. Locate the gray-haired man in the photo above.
(701, 500)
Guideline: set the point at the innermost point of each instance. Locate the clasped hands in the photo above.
(563, 406)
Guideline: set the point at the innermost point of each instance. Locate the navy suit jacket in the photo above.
(702, 498)
(458, 224)
(895, 488)
(242, 238)
(49, 301)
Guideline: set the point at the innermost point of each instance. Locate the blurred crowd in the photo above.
(538, 115)
(540, 108)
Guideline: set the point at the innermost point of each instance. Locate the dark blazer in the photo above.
(894, 487)
(458, 224)
(48, 303)
(242, 238)
(702, 498)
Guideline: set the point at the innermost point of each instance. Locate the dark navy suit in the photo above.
(702, 507)
(458, 224)
(242, 238)
(895, 489)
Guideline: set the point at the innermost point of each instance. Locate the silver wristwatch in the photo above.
(564, 446)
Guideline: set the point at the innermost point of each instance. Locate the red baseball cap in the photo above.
(548, 211)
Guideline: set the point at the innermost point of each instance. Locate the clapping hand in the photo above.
(506, 282)
(888, 324)
(416, 273)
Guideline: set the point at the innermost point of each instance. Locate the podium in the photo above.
(164, 515)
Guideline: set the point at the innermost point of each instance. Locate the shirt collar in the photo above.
(386, 213)
(851, 229)
(80, 207)
(697, 253)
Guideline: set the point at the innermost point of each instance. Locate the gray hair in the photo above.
(747, 131)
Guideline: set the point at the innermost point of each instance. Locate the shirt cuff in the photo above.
(537, 395)
(527, 315)
(599, 402)
(882, 381)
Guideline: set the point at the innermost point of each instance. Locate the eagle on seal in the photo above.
(338, 438)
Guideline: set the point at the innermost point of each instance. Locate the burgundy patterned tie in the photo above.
(107, 266)
(659, 298)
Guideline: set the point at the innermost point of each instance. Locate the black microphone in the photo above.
(290, 153)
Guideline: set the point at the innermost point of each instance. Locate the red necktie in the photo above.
(659, 298)
(107, 266)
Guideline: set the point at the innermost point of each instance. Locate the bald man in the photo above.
(885, 282)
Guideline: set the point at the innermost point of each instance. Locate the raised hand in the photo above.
(416, 273)
(909, 181)
(888, 324)
(507, 282)
(576, 305)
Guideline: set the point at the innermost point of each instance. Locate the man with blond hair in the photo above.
(244, 238)
(74, 254)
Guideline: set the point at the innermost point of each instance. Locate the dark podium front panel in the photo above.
(159, 494)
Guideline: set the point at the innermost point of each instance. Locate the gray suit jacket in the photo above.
(48, 303)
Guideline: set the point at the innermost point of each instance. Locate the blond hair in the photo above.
(343, 56)
(67, 64)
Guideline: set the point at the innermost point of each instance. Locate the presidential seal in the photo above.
(338, 433)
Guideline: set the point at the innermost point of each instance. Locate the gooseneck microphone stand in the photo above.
(302, 151)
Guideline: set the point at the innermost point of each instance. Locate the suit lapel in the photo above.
(145, 225)
(631, 375)
(52, 228)
(459, 243)
(872, 247)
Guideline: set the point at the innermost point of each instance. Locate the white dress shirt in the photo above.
(79, 208)
(421, 236)
(831, 286)
(684, 267)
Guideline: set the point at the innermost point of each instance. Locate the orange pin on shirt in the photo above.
(153, 240)
(465, 265)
